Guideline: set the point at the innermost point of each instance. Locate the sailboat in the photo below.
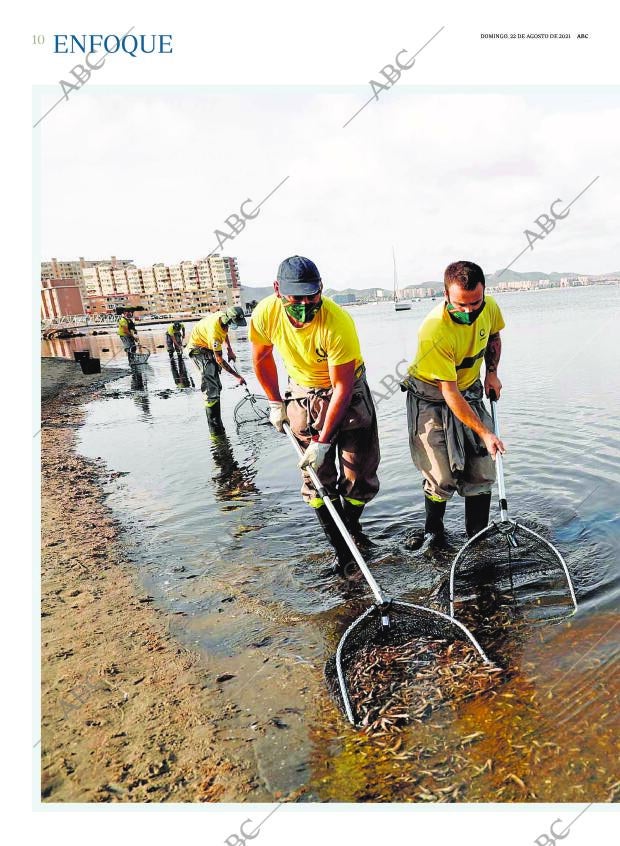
(399, 305)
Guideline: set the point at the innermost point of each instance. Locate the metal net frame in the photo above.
(386, 622)
(140, 357)
(508, 554)
(506, 548)
(394, 624)
(253, 408)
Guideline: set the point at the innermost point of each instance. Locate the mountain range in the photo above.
(259, 292)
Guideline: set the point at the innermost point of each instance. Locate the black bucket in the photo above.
(90, 365)
(81, 355)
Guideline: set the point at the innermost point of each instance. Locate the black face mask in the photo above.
(465, 318)
(302, 312)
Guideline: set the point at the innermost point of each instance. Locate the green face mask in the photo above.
(465, 317)
(302, 312)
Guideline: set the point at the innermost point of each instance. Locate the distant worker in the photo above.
(127, 332)
(450, 431)
(327, 401)
(175, 335)
(204, 347)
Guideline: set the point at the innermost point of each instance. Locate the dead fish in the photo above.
(516, 779)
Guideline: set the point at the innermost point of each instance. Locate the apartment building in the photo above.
(60, 298)
(74, 270)
(418, 293)
(190, 286)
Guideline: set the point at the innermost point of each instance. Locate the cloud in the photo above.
(439, 175)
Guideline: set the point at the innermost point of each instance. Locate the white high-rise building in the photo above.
(199, 286)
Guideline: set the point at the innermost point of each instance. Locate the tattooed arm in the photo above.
(492, 356)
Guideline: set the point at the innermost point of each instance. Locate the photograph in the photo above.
(404, 629)
(328, 447)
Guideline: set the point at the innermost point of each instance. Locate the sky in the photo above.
(436, 173)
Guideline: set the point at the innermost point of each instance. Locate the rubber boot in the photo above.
(343, 553)
(477, 513)
(214, 418)
(352, 516)
(433, 526)
(435, 512)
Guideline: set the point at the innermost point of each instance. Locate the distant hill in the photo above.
(253, 292)
(513, 276)
(555, 276)
(360, 293)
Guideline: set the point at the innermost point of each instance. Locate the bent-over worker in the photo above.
(327, 399)
(175, 335)
(128, 333)
(204, 347)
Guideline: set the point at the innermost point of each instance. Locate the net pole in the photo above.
(499, 461)
(382, 600)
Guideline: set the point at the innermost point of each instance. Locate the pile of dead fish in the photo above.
(392, 686)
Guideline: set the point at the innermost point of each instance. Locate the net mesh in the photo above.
(141, 356)
(253, 408)
(516, 562)
(416, 638)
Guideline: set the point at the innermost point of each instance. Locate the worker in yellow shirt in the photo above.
(451, 434)
(175, 335)
(204, 347)
(327, 401)
(127, 332)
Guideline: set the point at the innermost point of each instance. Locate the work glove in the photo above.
(277, 414)
(314, 456)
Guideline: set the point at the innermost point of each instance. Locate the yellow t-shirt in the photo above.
(307, 352)
(123, 327)
(453, 352)
(172, 331)
(208, 333)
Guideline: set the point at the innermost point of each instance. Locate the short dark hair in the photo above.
(466, 274)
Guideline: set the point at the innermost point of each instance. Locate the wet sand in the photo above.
(127, 715)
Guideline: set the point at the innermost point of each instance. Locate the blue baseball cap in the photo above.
(298, 277)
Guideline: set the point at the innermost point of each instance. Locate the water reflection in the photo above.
(233, 482)
(106, 344)
(139, 388)
(179, 372)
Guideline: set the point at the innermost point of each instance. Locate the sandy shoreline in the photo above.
(127, 714)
